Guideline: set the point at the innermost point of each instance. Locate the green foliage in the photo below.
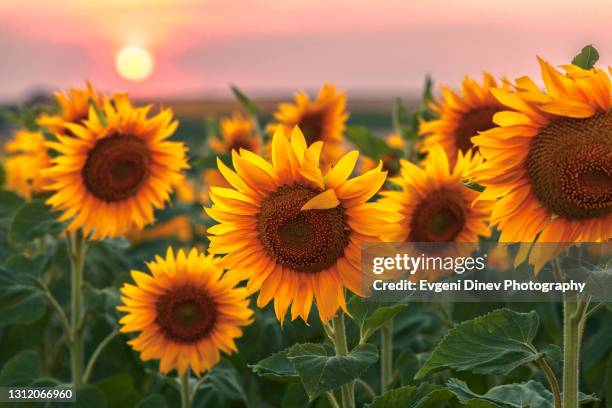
(370, 316)
(425, 396)
(495, 343)
(587, 58)
(277, 367)
(9, 204)
(153, 401)
(245, 101)
(119, 390)
(33, 220)
(21, 300)
(369, 144)
(21, 370)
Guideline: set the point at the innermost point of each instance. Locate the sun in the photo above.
(134, 63)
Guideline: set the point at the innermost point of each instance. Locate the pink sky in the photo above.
(376, 47)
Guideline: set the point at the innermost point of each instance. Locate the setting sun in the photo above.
(134, 63)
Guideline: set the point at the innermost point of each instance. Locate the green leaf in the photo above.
(34, 220)
(587, 58)
(102, 300)
(2, 175)
(9, 204)
(226, 382)
(495, 343)
(245, 101)
(99, 112)
(20, 264)
(370, 316)
(20, 301)
(321, 372)
(210, 161)
(276, 367)
(21, 370)
(119, 390)
(89, 396)
(153, 401)
(609, 383)
(473, 186)
(369, 144)
(426, 396)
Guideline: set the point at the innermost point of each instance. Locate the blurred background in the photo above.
(186, 52)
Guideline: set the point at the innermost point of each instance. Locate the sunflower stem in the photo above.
(185, 394)
(94, 357)
(552, 380)
(77, 247)
(347, 391)
(386, 356)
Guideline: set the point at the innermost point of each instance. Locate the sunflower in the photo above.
(74, 108)
(237, 132)
(461, 117)
(323, 120)
(550, 161)
(185, 311)
(435, 204)
(110, 176)
(28, 157)
(292, 232)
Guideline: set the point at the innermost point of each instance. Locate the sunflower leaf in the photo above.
(9, 204)
(22, 369)
(370, 316)
(276, 367)
(153, 401)
(367, 142)
(322, 371)
(425, 396)
(587, 58)
(34, 219)
(245, 101)
(495, 343)
(21, 301)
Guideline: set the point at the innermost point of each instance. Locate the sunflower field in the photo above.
(149, 260)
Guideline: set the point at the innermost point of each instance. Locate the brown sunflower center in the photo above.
(472, 122)
(186, 314)
(440, 217)
(241, 141)
(306, 241)
(116, 167)
(569, 165)
(312, 126)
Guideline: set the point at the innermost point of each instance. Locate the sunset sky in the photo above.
(271, 47)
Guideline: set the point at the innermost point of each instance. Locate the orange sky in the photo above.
(273, 46)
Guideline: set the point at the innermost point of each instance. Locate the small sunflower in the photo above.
(323, 119)
(461, 117)
(435, 204)
(28, 157)
(293, 233)
(237, 132)
(109, 177)
(185, 311)
(390, 160)
(74, 108)
(178, 227)
(550, 161)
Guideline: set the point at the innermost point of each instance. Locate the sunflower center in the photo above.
(312, 127)
(472, 122)
(116, 167)
(306, 241)
(186, 314)
(241, 141)
(440, 217)
(569, 166)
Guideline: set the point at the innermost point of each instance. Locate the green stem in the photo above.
(60, 312)
(332, 400)
(185, 396)
(571, 354)
(94, 357)
(347, 390)
(552, 380)
(76, 253)
(366, 387)
(386, 356)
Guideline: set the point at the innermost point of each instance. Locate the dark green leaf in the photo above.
(473, 186)
(21, 302)
(210, 161)
(20, 264)
(21, 370)
(34, 220)
(495, 343)
(89, 396)
(119, 390)
(370, 316)
(367, 143)
(587, 58)
(9, 204)
(321, 372)
(226, 382)
(609, 383)
(426, 396)
(153, 401)
(276, 367)
(245, 101)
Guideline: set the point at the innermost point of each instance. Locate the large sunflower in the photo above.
(435, 204)
(323, 119)
(461, 116)
(74, 108)
(292, 232)
(550, 160)
(109, 177)
(28, 157)
(185, 311)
